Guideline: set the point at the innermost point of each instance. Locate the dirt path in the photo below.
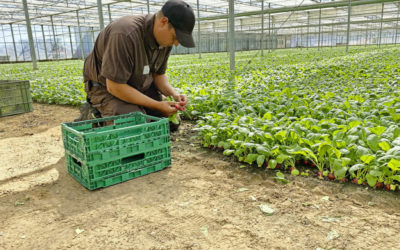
(204, 201)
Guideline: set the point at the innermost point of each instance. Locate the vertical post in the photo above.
(198, 29)
(148, 6)
(100, 12)
(109, 13)
(54, 36)
(20, 41)
(322, 39)
(308, 29)
(44, 43)
(227, 35)
(240, 35)
(397, 23)
(37, 43)
(248, 42)
(332, 35)
(269, 28)
(380, 29)
(301, 37)
(15, 47)
(63, 40)
(275, 40)
(262, 27)
(217, 42)
(80, 35)
(232, 35)
(215, 39)
(366, 36)
(92, 31)
(209, 44)
(30, 37)
(5, 43)
(319, 29)
(285, 41)
(348, 26)
(70, 41)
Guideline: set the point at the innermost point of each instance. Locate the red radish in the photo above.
(343, 180)
(331, 176)
(387, 186)
(355, 181)
(291, 169)
(379, 185)
(179, 107)
(320, 174)
(364, 183)
(313, 165)
(278, 165)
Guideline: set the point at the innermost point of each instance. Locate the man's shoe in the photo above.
(87, 112)
(173, 127)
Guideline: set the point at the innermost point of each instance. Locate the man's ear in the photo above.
(164, 20)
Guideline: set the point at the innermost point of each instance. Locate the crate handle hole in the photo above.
(133, 158)
(77, 162)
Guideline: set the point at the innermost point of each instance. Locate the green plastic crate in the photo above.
(92, 143)
(15, 97)
(114, 172)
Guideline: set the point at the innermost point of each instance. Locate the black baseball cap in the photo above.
(181, 16)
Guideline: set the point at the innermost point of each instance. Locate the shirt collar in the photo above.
(149, 38)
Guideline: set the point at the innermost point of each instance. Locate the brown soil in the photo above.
(204, 201)
(43, 117)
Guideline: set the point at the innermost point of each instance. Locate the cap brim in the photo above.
(185, 39)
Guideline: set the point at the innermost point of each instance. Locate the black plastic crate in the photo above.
(15, 97)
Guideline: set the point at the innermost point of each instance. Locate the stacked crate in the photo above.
(15, 97)
(106, 151)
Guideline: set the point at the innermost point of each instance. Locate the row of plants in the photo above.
(60, 82)
(340, 113)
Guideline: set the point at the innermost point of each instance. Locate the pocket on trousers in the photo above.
(97, 96)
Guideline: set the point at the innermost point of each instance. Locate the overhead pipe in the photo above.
(299, 8)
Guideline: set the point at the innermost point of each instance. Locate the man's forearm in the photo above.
(130, 94)
(163, 85)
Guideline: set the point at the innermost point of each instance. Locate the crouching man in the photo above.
(125, 71)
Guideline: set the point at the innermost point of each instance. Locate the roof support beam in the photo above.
(300, 8)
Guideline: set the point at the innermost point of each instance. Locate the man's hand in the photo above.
(167, 108)
(181, 99)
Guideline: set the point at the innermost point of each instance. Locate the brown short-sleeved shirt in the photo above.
(127, 52)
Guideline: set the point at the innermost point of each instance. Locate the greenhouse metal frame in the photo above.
(34, 30)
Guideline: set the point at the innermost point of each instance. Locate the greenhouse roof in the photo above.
(291, 13)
